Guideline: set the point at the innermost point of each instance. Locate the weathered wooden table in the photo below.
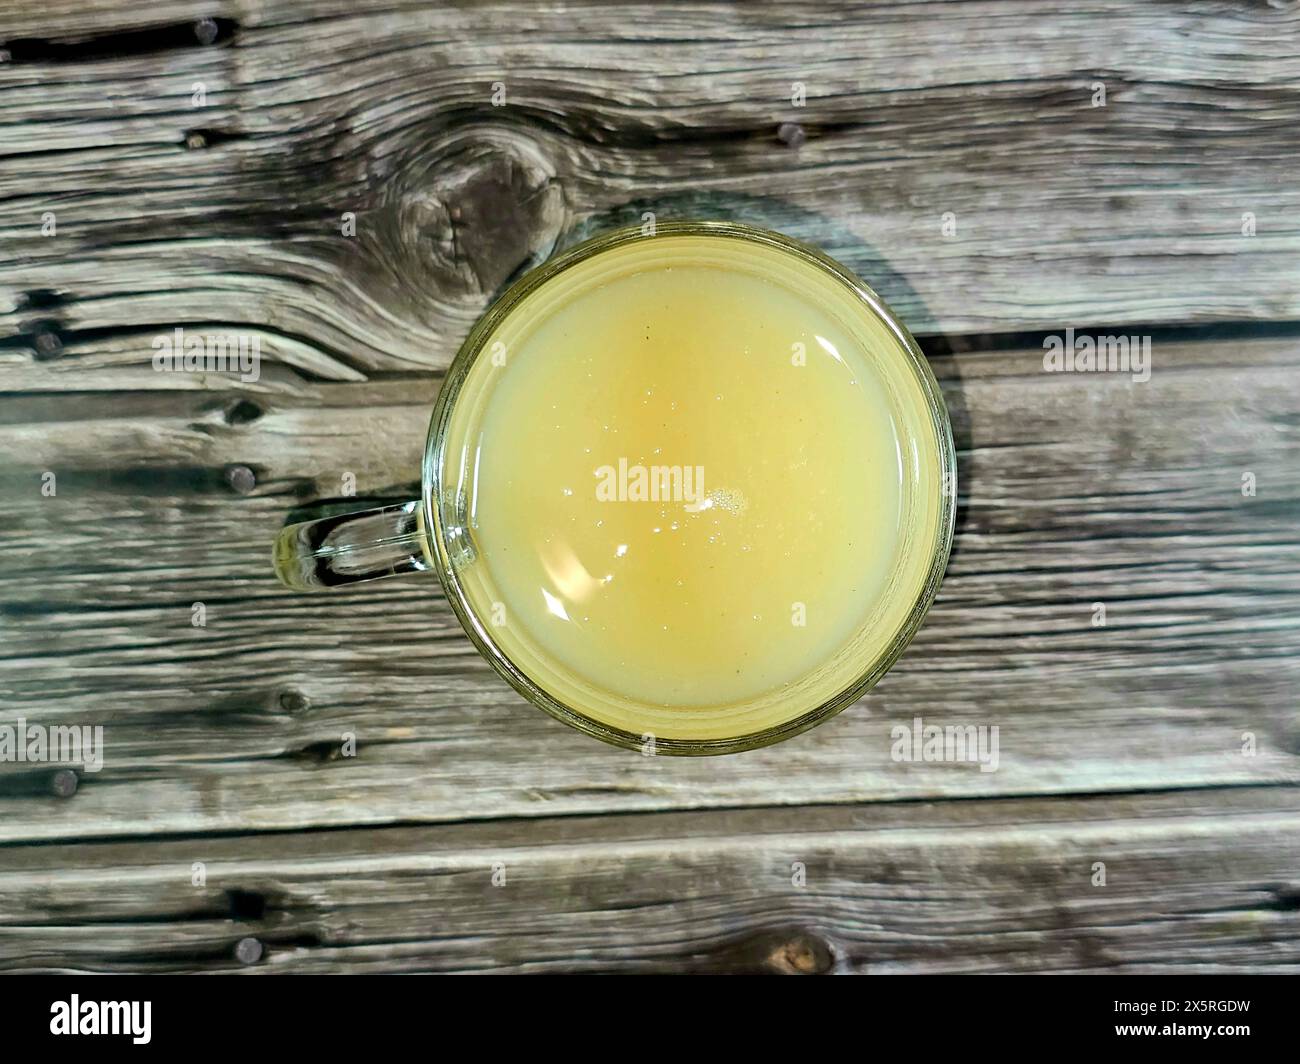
(350, 182)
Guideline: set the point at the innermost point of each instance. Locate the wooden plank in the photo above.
(1066, 213)
(1075, 489)
(1200, 881)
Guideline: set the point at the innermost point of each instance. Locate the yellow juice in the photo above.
(695, 486)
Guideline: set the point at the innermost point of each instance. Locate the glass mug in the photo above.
(692, 490)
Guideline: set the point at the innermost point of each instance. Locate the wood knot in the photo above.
(242, 412)
(294, 702)
(801, 954)
(473, 208)
(777, 951)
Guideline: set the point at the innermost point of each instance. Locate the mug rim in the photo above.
(434, 451)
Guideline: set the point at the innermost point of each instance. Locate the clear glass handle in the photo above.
(347, 548)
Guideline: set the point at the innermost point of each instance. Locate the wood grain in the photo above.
(1075, 489)
(1193, 881)
(1066, 213)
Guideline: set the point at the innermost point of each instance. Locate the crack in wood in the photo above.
(121, 44)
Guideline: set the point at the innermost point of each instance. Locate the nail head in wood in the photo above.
(248, 951)
(791, 133)
(63, 784)
(47, 342)
(241, 479)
